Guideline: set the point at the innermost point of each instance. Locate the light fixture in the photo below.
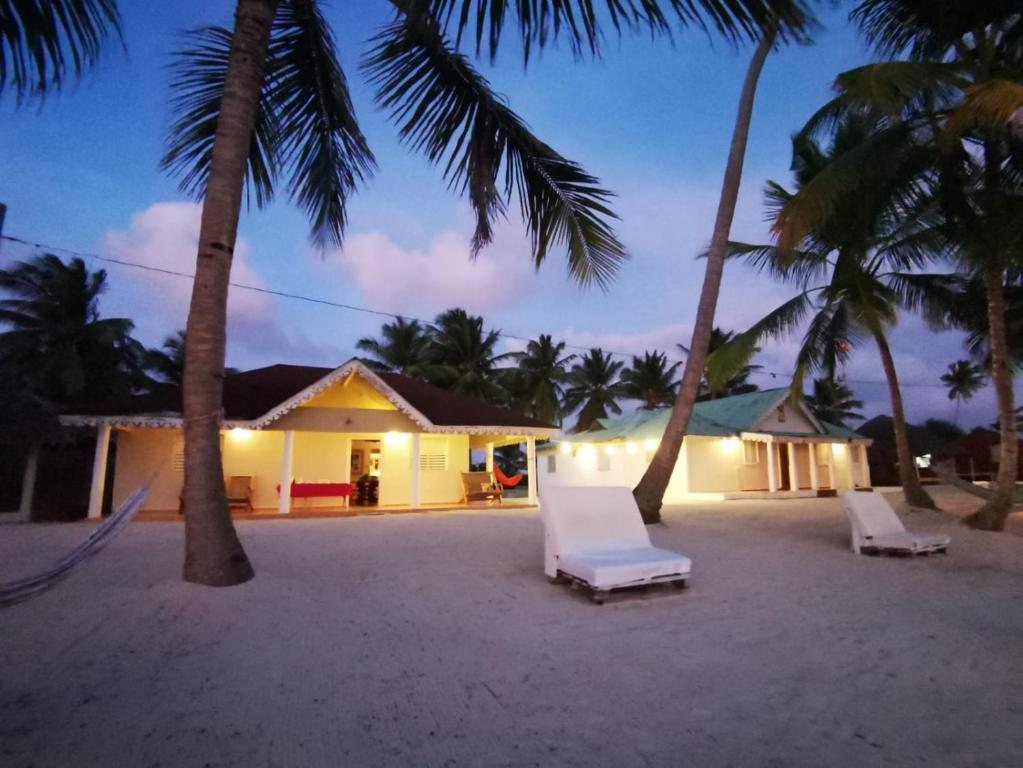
(651, 445)
(565, 448)
(395, 438)
(630, 448)
(240, 434)
(609, 450)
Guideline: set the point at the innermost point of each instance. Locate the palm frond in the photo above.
(447, 110)
(43, 42)
(320, 141)
(198, 71)
(779, 322)
(890, 87)
(795, 266)
(585, 23)
(991, 105)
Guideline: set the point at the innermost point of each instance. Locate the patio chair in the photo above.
(480, 486)
(876, 529)
(239, 491)
(595, 537)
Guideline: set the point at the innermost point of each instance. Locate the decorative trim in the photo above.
(767, 437)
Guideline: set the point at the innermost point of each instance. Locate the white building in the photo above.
(754, 445)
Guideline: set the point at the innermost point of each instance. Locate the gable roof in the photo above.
(262, 395)
(723, 417)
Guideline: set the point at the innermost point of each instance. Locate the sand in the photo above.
(434, 640)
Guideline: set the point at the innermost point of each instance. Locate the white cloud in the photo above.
(165, 236)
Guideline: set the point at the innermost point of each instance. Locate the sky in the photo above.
(651, 119)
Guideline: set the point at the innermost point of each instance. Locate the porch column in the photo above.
(490, 457)
(531, 468)
(414, 495)
(815, 481)
(287, 456)
(28, 482)
(346, 468)
(864, 466)
(99, 471)
(772, 468)
(793, 468)
(832, 474)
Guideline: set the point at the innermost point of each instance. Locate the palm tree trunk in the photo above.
(213, 553)
(649, 492)
(992, 515)
(912, 489)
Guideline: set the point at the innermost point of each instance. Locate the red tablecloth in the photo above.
(318, 490)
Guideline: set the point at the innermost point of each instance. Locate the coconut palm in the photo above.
(718, 382)
(44, 43)
(463, 356)
(403, 348)
(832, 401)
(167, 363)
(270, 94)
(849, 269)
(56, 340)
(538, 380)
(963, 379)
(593, 388)
(650, 380)
(954, 95)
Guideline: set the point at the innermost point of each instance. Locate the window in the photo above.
(552, 463)
(603, 462)
(178, 456)
(750, 452)
(433, 456)
(781, 412)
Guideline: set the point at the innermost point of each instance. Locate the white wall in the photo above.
(714, 464)
(140, 453)
(591, 465)
(794, 421)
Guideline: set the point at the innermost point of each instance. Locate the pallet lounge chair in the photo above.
(595, 537)
(876, 529)
(239, 491)
(480, 486)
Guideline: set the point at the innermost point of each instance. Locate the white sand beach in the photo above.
(434, 640)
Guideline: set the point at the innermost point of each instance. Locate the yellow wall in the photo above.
(351, 392)
(140, 452)
(256, 453)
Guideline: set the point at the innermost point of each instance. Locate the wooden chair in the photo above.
(239, 491)
(480, 486)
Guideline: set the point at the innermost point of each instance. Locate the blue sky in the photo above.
(652, 120)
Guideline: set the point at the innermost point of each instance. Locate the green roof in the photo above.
(723, 417)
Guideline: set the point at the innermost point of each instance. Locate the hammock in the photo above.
(503, 479)
(16, 591)
(945, 471)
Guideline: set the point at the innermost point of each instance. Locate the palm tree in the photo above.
(45, 42)
(168, 362)
(954, 97)
(848, 266)
(649, 380)
(832, 401)
(271, 93)
(718, 382)
(403, 348)
(649, 492)
(56, 340)
(538, 379)
(463, 356)
(593, 388)
(963, 379)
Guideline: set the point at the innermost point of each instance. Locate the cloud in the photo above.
(166, 236)
(428, 280)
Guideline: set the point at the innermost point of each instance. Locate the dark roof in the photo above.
(250, 394)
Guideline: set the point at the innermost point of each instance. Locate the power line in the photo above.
(381, 313)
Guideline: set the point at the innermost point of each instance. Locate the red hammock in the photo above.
(503, 479)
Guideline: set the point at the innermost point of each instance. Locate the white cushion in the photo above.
(909, 541)
(875, 524)
(597, 535)
(622, 567)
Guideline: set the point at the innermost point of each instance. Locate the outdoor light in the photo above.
(730, 443)
(610, 450)
(651, 445)
(588, 454)
(630, 448)
(566, 448)
(395, 438)
(239, 433)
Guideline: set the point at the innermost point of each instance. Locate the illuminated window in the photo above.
(751, 452)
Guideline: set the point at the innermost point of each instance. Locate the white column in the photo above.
(490, 457)
(772, 468)
(793, 468)
(28, 482)
(864, 466)
(531, 468)
(832, 473)
(346, 470)
(287, 458)
(815, 482)
(99, 471)
(414, 495)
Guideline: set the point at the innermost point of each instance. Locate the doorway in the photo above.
(365, 473)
